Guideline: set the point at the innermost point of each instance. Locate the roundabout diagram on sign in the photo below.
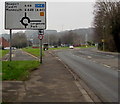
(26, 20)
(23, 20)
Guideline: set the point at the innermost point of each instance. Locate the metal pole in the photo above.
(103, 46)
(103, 38)
(10, 45)
(41, 51)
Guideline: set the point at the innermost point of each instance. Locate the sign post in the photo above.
(40, 36)
(10, 58)
(41, 51)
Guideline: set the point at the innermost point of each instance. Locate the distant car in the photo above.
(6, 48)
(71, 47)
(55, 46)
(45, 46)
(14, 48)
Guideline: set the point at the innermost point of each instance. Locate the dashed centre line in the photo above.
(89, 57)
(107, 66)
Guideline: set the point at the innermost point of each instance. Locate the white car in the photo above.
(14, 48)
(7, 48)
(71, 47)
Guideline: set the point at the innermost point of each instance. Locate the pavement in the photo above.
(51, 82)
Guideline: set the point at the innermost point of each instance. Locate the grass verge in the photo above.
(58, 48)
(33, 51)
(85, 47)
(68, 47)
(3, 53)
(17, 70)
(0, 70)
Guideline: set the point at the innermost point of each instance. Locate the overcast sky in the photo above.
(62, 14)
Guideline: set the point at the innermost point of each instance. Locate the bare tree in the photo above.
(19, 40)
(107, 23)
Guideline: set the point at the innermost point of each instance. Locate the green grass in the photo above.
(58, 48)
(36, 51)
(3, 53)
(68, 47)
(86, 47)
(17, 70)
(33, 51)
(0, 70)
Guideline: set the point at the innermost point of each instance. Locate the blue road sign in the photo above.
(39, 5)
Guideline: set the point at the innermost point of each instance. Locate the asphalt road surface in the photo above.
(101, 79)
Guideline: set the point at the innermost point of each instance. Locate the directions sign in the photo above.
(25, 15)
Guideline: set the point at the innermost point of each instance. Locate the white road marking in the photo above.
(89, 57)
(107, 66)
(11, 90)
(109, 55)
(73, 55)
(93, 61)
(13, 55)
(59, 59)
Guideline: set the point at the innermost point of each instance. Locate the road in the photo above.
(106, 58)
(103, 80)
